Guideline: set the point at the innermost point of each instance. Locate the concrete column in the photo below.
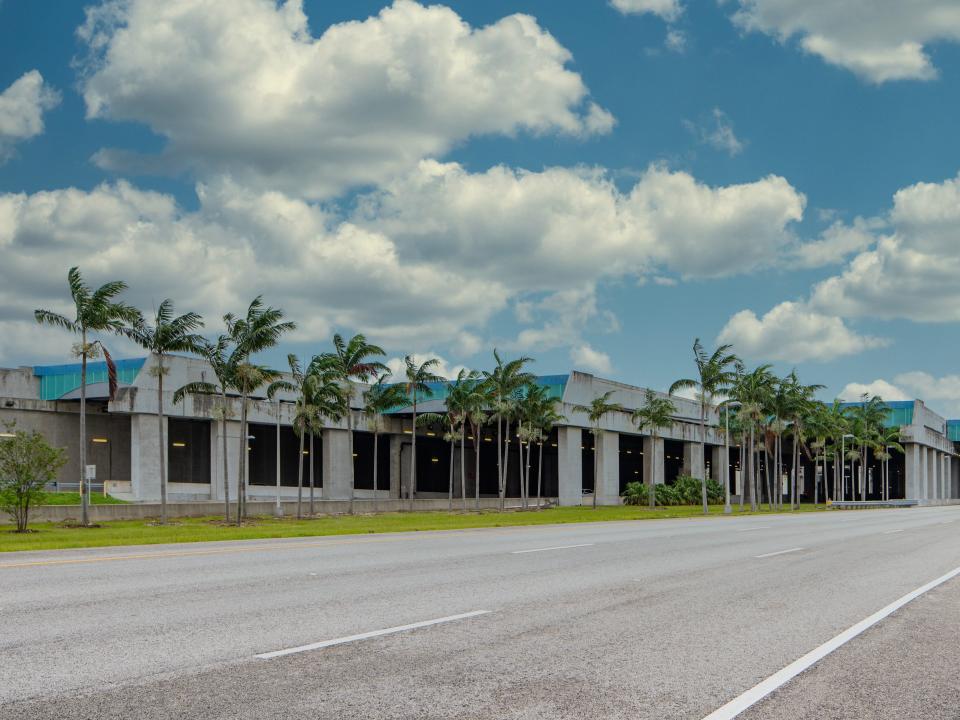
(144, 458)
(930, 482)
(719, 464)
(337, 464)
(569, 465)
(653, 460)
(913, 472)
(692, 459)
(395, 466)
(608, 468)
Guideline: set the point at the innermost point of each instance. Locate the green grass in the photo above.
(49, 536)
(73, 498)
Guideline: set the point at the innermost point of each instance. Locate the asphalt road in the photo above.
(647, 619)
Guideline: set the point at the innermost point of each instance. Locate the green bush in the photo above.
(684, 491)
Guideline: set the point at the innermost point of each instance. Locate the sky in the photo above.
(592, 183)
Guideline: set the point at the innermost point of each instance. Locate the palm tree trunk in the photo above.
(753, 472)
(743, 468)
(703, 447)
(226, 474)
(651, 486)
(242, 480)
(502, 466)
(352, 465)
(376, 448)
(463, 466)
(500, 473)
(539, 471)
(163, 459)
(312, 480)
(767, 474)
(523, 501)
(300, 477)
(596, 474)
(526, 482)
(450, 483)
(84, 486)
(476, 461)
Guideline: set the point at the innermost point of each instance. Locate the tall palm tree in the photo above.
(459, 404)
(502, 384)
(475, 405)
(260, 329)
(799, 404)
(351, 361)
(866, 418)
(379, 399)
(95, 311)
(596, 411)
(218, 356)
(418, 375)
(303, 414)
(328, 400)
(657, 413)
(714, 377)
(544, 417)
(887, 439)
(752, 390)
(168, 334)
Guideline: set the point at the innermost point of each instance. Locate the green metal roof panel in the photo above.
(899, 412)
(57, 380)
(953, 430)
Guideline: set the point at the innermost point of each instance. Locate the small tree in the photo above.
(655, 415)
(27, 463)
(596, 411)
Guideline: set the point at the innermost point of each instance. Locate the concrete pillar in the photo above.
(337, 464)
(653, 460)
(569, 465)
(144, 458)
(719, 464)
(931, 478)
(913, 471)
(608, 468)
(395, 466)
(692, 459)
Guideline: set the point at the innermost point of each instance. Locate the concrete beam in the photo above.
(570, 468)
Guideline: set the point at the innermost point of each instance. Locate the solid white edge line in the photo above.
(778, 552)
(775, 681)
(366, 635)
(761, 527)
(559, 547)
(891, 532)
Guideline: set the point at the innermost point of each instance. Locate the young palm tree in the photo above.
(656, 414)
(351, 361)
(418, 376)
(459, 399)
(379, 399)
(95, 311)
(302, 417)
(543, 420)
(218, 356)
(168, 334)
(475, 405)
(887, 439)
(502, 384)
(713, 377)
(753, 391)
(596, 411)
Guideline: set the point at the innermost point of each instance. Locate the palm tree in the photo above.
(327, 399)
(596, 411)
(474, 404)
(302, 417)
(887, 439)
(543, 419)
(379, 399)
(95, 311)
(418, 376)
(866, 419)
(260, 329)
(752, 390)
(800, 400)
(713, 377)
(349, 362)
(217, 356)
(459, 403)
(502, 384)
(656, 413)
(168, 334)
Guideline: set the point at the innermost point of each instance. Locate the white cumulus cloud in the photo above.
(243, 87)
(22, 106)
(854, 392)
(879, 40)
(669, 10)
(792, 332)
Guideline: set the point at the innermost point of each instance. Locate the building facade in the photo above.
(202, 443)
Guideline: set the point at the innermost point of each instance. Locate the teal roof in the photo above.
(953, 430)
(899, 412)
(57, 380)
(555, 384)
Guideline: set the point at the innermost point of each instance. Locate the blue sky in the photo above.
(618, 180)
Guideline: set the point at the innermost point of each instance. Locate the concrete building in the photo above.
(123, 443)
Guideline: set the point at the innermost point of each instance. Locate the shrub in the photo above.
(635, 494)
(684, 491)
(27, 463)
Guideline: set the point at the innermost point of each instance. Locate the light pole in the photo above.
(843, 464)
(726, 455)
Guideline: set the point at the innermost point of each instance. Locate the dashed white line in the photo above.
(780, 678)
(891, 532)
(778, 552)
(558, 547)
(751, 529)
(367, 635)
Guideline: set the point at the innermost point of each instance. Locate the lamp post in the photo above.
(843, 464)
(726, 455)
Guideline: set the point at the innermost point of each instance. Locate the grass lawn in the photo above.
(73, 498)
(48, 536)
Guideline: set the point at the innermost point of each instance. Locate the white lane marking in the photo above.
(778, 552)
(891, 532)
(761, 527)
(761, 690)
(367, 635)
(559, 547)
(946, 522)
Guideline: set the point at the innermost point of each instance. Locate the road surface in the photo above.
(644, 619)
